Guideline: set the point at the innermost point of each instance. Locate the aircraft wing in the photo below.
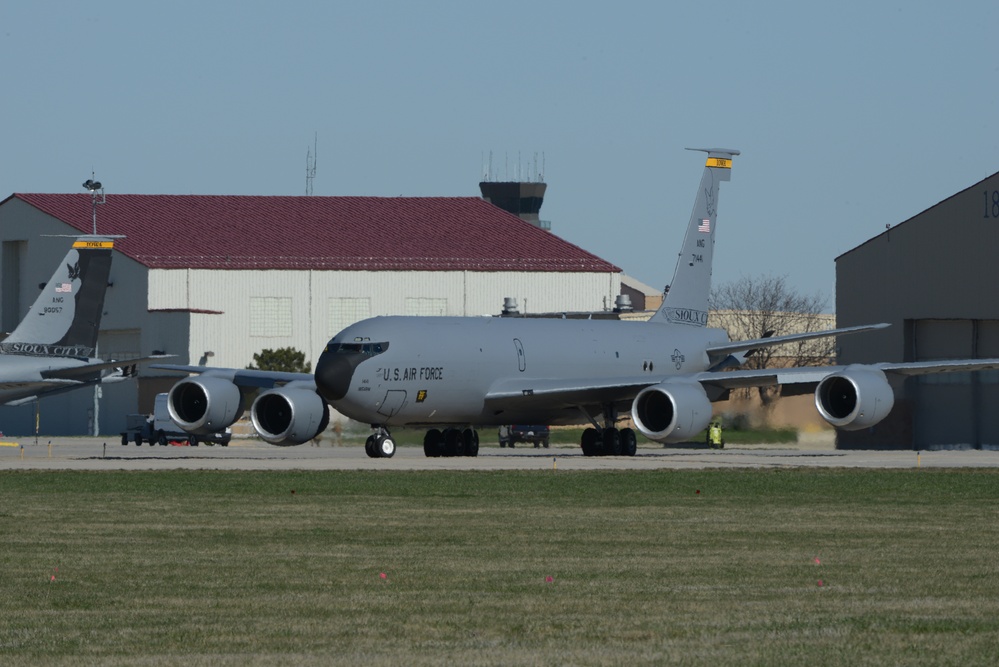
(580, 392)
(86, 371)
(715, 351)
(38, 386)
(62, 379)
(20, 393)
(559, 394)
(813, 374)
(242, 377)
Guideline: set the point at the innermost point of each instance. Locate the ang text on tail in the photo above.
(66, 317)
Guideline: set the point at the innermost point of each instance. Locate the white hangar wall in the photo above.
(237, 313)
(234, 314)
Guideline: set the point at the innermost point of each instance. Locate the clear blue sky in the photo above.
(850, 115)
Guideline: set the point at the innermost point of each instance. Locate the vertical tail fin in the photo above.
(66, 317)
(686, 300)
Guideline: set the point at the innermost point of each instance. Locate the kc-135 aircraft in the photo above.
(453, 374)
(51, 350)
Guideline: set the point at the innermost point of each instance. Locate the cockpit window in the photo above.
(367, 349)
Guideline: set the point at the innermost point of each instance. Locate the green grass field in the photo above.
(799, 567)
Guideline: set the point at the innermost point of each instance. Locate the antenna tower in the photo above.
(310, 165)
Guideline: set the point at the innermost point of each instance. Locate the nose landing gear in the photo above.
(380, 445)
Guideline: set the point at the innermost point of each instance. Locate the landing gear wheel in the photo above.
(369, 447)
(589, 442)
(433, 445)
(192, 440)
(629, 443)
(612, 442)
(385, 446)
(161, 439)
(453, 445)
(470, 438)
(138, 440)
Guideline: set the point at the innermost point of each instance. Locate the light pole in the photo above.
(94, 187)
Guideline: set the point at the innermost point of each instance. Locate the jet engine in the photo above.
(204, 404)
(854, 398)
(672, 411)
(290, 415)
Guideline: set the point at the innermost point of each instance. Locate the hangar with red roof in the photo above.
(215, 279)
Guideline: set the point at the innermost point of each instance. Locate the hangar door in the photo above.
(952, 409)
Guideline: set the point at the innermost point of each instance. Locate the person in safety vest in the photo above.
(715, 435)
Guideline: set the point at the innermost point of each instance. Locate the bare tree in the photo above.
(767, 305)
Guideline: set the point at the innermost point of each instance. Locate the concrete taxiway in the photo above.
(105, 454)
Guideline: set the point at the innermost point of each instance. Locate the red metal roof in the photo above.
(332, 233)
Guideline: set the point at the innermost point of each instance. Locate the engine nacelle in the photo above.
(856, 397)
(204, 404)
(290, 415)
(672, 411)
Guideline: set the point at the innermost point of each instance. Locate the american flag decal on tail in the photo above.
(705, 226)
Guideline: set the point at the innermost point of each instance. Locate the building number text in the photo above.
(992, 204)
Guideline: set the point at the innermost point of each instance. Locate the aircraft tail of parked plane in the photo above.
(52, 349)
(453, 374)
(65, 319)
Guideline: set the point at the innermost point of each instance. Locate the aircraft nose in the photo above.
(334, 371)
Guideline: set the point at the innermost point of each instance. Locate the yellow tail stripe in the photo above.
(93, 244)
(719, 162)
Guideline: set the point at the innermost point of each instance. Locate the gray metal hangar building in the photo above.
(935, 279)
(214, 279)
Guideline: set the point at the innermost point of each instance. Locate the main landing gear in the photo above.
(380, 444)
(451, 442)
(609, 442)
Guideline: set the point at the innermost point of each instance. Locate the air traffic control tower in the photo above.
(521, 199)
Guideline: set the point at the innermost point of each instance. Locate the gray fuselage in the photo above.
(444, 370)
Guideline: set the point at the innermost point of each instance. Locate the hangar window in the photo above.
(270, 316)
(121, 344)
(345, 310)
(426, 306)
